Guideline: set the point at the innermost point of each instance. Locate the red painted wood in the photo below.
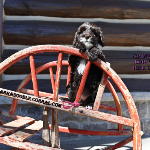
(77, 110)
(106, 107)
(68, 76)
(100, 91)
(52, 78)
(13, 125)
(58, 75)
(27, 132)
(24, 145)
(117, 102)
(130, 104)
(91, 132)
(134, 121)
(13, 106)
(33, 74)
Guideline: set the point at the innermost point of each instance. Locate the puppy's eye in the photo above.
(82, 29)
(94, 32)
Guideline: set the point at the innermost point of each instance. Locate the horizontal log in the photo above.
(23, 66)
(134, 85)
(43, 85)
(125, 9)
(121, 61)
(43, 32)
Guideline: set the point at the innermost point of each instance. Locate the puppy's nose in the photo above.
(87, 36)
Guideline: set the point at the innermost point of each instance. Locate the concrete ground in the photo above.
(91, 143)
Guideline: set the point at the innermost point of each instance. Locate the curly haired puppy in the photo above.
(88, 38)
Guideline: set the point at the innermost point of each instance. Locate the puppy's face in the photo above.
(89, 35)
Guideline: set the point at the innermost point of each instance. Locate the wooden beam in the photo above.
(125, 9)
(13, 125)
(1, 32)
(43, 32)
(27, 132)
(122, 62)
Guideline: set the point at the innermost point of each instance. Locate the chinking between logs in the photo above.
(26, 98)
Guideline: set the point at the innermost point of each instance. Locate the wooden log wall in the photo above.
(122, 33)
(123, 9)
(39, 32)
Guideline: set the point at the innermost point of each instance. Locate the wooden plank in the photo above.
(13, 125)
(46, 131)
(24, 145)
(125, 9)
(24, 134)
(121, 61)
(134, 85)
(47, 32)
(1, 32)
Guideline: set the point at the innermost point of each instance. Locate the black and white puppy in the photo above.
(88, 38)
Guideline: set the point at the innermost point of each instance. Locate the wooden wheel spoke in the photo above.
(104, 116)
(68, 76)
(55, 141)
(52, 78)
(58, 75)
(100, 92)
(117, 102)
(13, 106)
(33, 74)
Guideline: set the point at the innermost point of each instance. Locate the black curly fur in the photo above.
(94, 33)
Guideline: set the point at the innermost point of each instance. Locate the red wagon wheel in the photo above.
(132, 122)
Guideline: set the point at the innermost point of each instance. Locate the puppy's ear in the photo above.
(75, 40)
(101, 39)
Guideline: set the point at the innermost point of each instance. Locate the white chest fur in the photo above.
(81, 66)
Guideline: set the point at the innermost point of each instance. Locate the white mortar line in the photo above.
(59, 19)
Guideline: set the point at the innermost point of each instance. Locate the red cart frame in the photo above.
(133, 122)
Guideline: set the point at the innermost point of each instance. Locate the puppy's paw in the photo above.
(63, 99)
(92, 57)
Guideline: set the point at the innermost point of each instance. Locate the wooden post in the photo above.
(1, 22)
(46, 132)
(55, 140)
